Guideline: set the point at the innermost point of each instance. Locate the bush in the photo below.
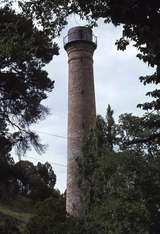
(9, 226)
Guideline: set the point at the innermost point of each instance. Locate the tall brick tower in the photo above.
(80, 44)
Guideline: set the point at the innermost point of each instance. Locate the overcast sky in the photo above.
(116, 83)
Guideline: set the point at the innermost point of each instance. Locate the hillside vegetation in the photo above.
(18, 213)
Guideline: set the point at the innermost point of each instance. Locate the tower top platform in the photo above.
(80, 34)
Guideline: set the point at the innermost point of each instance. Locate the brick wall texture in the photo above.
(81, 115)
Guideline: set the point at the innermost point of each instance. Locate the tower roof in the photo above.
(80, 34)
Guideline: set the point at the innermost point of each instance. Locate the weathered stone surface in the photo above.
(81, 109)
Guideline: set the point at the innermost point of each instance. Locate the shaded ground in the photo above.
(19, 212)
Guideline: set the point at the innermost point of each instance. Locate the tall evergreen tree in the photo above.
(106, 130)
(25, 49)
(110, 128)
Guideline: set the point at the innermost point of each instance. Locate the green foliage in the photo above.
(131, 133)
(117, 216)
(9, 226)
(36, 182)
(87, 165)
(47, 174)
(50, 15)
(106, 130)
(23, 178)
(138, 134)
(24, 84)
(120, 190)
(50, 216)
(8, 184)
(26, 46)
(113, 196)
(15, 214)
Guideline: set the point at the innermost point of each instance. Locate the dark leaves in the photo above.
(24, 84)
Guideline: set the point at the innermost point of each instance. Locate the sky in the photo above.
(116, 76)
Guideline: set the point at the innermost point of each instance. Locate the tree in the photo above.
(8, 184)
(111, 194)
(110, 124)
(36, 182)
(9, 226)
(47, 174)
(106, 130)
(134, 133)
(131, 133)
(50, 15)
(120, 190)
(51, 218)
(24, 51)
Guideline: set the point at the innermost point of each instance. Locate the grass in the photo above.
(20, 210)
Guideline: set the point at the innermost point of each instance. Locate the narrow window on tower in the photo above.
(80, 35)
(82, 91)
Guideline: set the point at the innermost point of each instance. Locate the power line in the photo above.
(58, 136)
(54, 135)
(57, 164)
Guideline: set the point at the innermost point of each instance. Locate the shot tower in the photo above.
(80, 44)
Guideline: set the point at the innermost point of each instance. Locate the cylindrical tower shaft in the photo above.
(81, 107)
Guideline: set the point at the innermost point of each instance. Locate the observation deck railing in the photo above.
(80, 36)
